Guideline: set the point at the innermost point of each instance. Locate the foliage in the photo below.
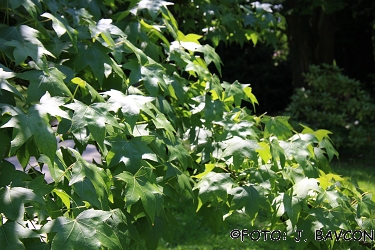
(231, 21)
(335, 102)
(167, 130)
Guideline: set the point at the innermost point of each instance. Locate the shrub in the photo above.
(337, 103)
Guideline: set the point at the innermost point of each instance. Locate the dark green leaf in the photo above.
(41, 82)
(26, 44)
(34, 124)
(246, 197)
(141, 185)
(240, 149)
(92, 229)
(95, 117)
(96, 56)
(130, 152)
(11, 233)
(17, 196)
(81, 170)
(277, 126)
(210, 56)
(214, 185)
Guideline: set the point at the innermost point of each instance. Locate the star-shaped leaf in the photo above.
(141, 185)
(27, 44)
(82, 169)
(130, 152)
(240, 149)
(182, 179)
(130, 105)
(96, 56)
(152, 76)
(51, 105)
(33, 124)
(41, 82)
(61, 26)
(12, 232)
(91, 229)
(214, 185)
(277, 126)
(246, 197)
(239, 92)
(210, 56)
(17, 197)
(95, 117)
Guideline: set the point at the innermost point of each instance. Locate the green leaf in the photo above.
(179, 151)
(277, 126)
(12, 232)
(293, 207)
(153, 7)
(302, 188)
(95, 117)
(51, 106)
(240, 149)
(28, 44)
(130, 152)
(300, 150)
(17, 197)
(141, 185)
(41, 82)
(214, 186)
(61, 26)
(365, 206)
(105, 28)
(152, 76)
(130, 105)
(183, 179)
(65, 198)
(330, 150)
(29, 6)
(208, 169)
(246, 197)
(96, 56)
(277, 153)
(161, 122)
(242, 128)
(236, 90)
(92, 229)
(81, 170)
(210, 56)
(34, 124)
(4, 84)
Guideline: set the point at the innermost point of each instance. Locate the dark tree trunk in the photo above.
(354, 47)
(300, 52)
(311, 39)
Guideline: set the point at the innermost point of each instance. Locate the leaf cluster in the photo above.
(231, 21)
(137, 88)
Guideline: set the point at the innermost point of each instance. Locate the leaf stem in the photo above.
(66, 170)
(60, 210)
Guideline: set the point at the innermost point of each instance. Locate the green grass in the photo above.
(190, 235)
(360, 170)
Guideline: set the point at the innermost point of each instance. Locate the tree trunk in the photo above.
(311, 39)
